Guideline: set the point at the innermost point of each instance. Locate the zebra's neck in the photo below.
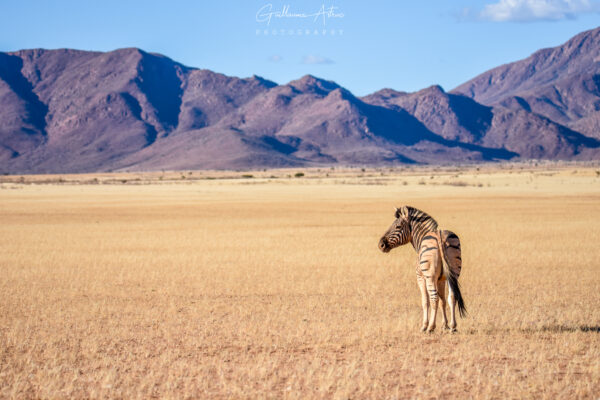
(420, 224)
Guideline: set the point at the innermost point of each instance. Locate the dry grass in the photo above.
(221, 288)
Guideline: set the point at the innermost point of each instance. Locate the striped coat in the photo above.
(439, 262)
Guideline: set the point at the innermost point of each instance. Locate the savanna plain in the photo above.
(269, 284)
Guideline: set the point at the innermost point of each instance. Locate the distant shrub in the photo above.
(457, 183)
(299, 174)
(247, 176)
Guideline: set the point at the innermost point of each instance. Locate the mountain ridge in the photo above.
(561, 83)
(71, 110)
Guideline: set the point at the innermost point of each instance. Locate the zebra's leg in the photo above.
(431, 284)
(452, 306)
(442, 293)
(424, 300)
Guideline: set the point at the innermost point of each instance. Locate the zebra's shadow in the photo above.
(566, 328)
(543, 329)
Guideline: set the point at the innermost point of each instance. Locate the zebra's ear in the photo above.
(402, 212)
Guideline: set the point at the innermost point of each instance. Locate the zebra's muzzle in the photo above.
(383, 246)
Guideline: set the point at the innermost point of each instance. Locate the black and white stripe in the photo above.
(420, 224)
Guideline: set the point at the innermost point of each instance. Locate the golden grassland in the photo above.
(195, 284)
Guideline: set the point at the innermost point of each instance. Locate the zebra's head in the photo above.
(398, 234)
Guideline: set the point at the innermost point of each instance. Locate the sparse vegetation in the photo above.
(159, 290)
(299, 174)
(456, 183)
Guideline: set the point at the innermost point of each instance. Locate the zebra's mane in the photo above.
(420, 224)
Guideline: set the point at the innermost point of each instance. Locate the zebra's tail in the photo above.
(453, 282)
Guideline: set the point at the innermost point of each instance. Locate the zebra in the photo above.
(438, 260)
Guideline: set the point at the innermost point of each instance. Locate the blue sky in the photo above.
(366, 46)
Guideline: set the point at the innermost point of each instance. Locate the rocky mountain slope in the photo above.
(560, 83)
(79, 111)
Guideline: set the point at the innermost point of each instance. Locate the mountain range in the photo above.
(81, 111)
